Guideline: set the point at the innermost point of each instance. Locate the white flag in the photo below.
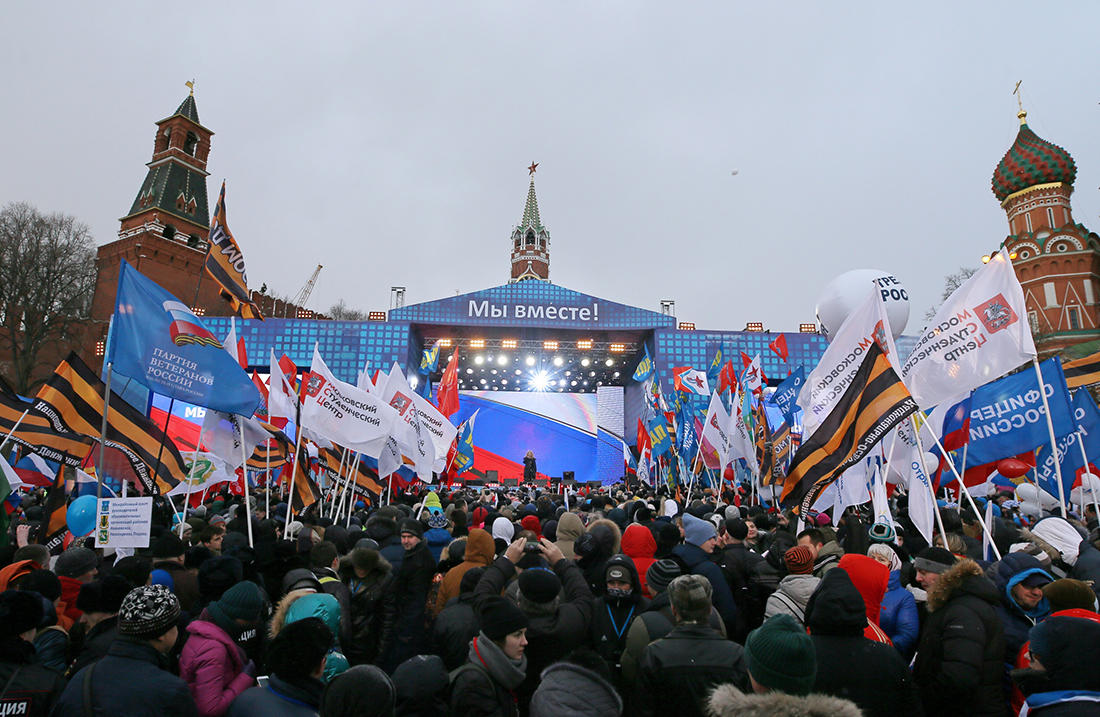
(9, 474)
(223, 433)
(390, 459)
(753, 377)
(838, 365)
(344, 414)
(741, 443)
(437, 426)
(408, 430)
(281, 402)
(204, 470)
(921, 505)
(880, 504)
(716, 430)
(979, 334)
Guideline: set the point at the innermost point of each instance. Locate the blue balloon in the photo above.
(81, 515)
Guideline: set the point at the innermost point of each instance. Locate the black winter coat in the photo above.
(550, 635)
(35, 688)
(611, 617)
(1087, 566)
(373, 608)
(678, 671)
(454, 627)
(410, 591)
(96, 643)
(959, 666)
(130, 680)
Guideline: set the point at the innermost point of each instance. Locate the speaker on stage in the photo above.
(491, 477)
(511, 482)
(595, 484)
(567, 476)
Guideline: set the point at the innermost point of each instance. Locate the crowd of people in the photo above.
(620, 601)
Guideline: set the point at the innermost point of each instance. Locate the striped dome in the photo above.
(1029, 161)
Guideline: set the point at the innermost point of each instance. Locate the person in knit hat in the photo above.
(168, 555)
(296, 662)
(213, 665)
(794, 590)
(780, 657)
(676, 673)
(29, 688)
(100, 601)
(496, 664)
(700, 538)
(362, 691)
(930, 563)
(412, 582)
(131, 679)
(75, 567)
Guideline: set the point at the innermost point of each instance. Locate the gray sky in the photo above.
(389, 141)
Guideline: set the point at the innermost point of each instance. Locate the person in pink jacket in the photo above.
(212, 664)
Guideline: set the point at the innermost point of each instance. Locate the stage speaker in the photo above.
(567, 476)
(511, 482)
(475, 482)
(491, 477)
(595, 484)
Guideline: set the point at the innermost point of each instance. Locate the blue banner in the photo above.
(786, 393)
(1087, 417)
(156, 340)
(645, 366)
(658, 435)
(1007, 416)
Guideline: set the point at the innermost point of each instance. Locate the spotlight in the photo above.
(584, 344)
(561, 382)
(986, 258)
(618, 348)
(479, 359)
(509, 344)
(609, 363)
(572, 383)
(494, 372)
(550, 345)
(483, 382)
(518, 372)
(504, 381)
(502, 360)
(686, 326)
(444, 343)
(558, 360)
(616, 375)
(807, 328)
(477, 343)
(585, 362)
(754, 326)
(530, 361)
(413, 382)
(568, 373)
(539, 381)
(592, 373)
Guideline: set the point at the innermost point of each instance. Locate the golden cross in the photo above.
(191, 85)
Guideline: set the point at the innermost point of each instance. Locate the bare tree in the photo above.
(950, 283)
(47, 277)
(340, 311)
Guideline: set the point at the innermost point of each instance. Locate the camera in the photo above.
(532, 547)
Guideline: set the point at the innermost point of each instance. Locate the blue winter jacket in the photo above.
(899, 618)
(700, 563)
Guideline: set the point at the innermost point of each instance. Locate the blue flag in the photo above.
(429, 360)
(464, 448)
(658, 435)
(645, 367)
(714, 370)
(786, 393)
(1006, 416)
(1087, 418)
(157, 341)
(689, 442)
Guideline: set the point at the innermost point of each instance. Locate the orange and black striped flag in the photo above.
(34, 431)
(225, 264)
(272, 453)
(874, 403)
(72, 399)
(53, 533)
(366, 480)
(1083, 371)
(780, 447)
(303, 489)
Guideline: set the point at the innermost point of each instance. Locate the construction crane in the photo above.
(302, 296)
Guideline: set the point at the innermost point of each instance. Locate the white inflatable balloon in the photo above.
(843, 294)
(931, 462)
(1028, 492)
(1030, 508)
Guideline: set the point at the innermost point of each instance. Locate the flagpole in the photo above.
(293, 477)
(931, 491)
(244, 477)
(101, 467)
(13, 430)
(1085, 463)
(191, 474)
(962, 487)
(353, 476)
(267, 479)
(336, 486)
(1053, 440)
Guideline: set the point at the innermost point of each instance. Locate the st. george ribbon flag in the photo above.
(157, 341)
(979, 334)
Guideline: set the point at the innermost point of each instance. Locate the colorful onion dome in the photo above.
(1029, 161)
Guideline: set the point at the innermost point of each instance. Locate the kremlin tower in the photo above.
(1056, 259)
(530, 241)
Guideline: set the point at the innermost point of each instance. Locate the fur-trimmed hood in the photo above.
(278, 620)
(728, 701)
(964, 576)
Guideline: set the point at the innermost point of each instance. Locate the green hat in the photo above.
(780, 656)
(243, 601)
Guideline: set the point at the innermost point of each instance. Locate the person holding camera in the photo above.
(552, 592)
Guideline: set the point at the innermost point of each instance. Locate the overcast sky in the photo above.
(389, 141)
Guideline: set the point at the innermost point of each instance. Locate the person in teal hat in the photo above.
(300, 604)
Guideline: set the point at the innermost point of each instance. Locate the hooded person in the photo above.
(578, 685)
(555, 599)
(959, 666)
(496, 665)
(133, 677)
(639, 546)
(570, 529)
(361, 691)
(437, 536)
(212, 664)
(700, 537)
(74, 567)
(677, 672)
(421, 686)
(503, 533)
(29, 688)
(614, 611)
(602, 540)
(480, 552)
(793, 592)
(532, 523)
(368, 577)
(296, 662)
(304, 603)
(898, 617)
(1020, 579)
(871, 578)
(869, 673)
(1062, 678)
